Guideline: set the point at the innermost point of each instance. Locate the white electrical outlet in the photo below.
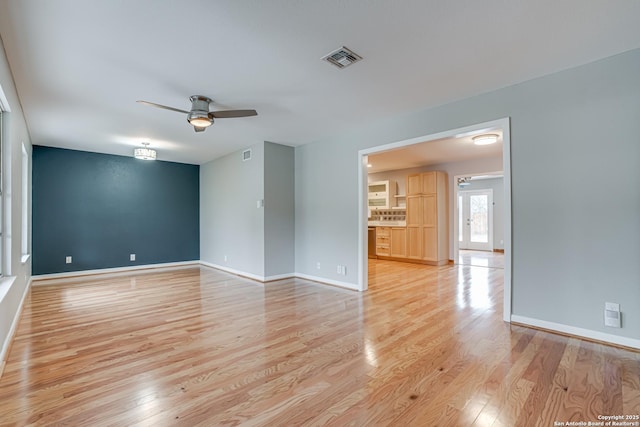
(339, 269)
(225, 258)
(68, 260)
(612, 315)
(132, 257)
(318, 265)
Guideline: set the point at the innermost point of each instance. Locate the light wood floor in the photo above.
(481, 258)
(425, 346)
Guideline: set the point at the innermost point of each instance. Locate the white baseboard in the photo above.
(48, 279)
(263, 279)
(42, 277)
(579, 332)
(4, 352)
(233, 271)
(345, 285)
(251, 276)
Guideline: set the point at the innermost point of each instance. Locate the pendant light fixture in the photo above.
(145, 153)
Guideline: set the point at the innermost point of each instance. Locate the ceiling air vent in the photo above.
(246, 155)
(342, 57)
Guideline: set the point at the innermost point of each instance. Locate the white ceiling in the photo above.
(79, 66)
(439, 151)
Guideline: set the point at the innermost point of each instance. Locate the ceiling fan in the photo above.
(200, 116)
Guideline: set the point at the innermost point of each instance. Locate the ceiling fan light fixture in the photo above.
(486, 139)
(200, 119)
(145, 153)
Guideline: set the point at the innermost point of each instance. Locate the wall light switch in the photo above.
(260, 203)
(68, 260)
(132, 257)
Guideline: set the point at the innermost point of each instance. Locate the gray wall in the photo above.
(575, 227)
(279, 212)
(231, 224)
(17, 273)
(100, 208)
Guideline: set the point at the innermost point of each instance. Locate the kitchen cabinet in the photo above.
(422, 183)
(398, 242)
(427, 220)
(383, 236)
(391, 242)
(381, 194)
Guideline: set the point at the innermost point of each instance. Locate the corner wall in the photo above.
(279, 213)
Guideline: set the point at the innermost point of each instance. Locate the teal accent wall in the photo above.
(100, 208)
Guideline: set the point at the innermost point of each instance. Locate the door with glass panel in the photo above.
(475, 220)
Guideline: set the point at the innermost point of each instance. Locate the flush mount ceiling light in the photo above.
(145, 153)
(486, 139)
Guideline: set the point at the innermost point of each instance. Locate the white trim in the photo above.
(249, 275)
(503, 124)
(233, 271)
(579, 332)
(332, 282)
(363, 226)
(69, 274)
(14, 326)
(506, 169)
(279, 277)
(264, 279)
(4, 103)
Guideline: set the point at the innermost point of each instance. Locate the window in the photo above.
(1, 190)
(25, 202)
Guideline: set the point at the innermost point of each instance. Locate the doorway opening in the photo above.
(364, 156)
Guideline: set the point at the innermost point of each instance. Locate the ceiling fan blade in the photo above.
(153, 104)
(228, 114)
(199, 129)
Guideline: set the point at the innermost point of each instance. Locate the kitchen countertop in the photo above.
(387, 223)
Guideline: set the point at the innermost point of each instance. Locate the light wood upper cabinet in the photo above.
(427, 220)
(414, 184)
(422, 183)
(429, 181)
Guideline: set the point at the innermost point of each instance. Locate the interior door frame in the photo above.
(504, 125)
(456, 213)
(489, 193)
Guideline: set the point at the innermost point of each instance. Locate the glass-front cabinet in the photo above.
(381, 194)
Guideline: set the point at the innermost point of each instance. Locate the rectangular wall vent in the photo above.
(342, 57)
(246, 155)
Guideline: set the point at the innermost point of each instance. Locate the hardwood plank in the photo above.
(195, 346)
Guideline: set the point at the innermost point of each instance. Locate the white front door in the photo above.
(475, 219)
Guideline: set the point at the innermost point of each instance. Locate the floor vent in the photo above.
(342, 57)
